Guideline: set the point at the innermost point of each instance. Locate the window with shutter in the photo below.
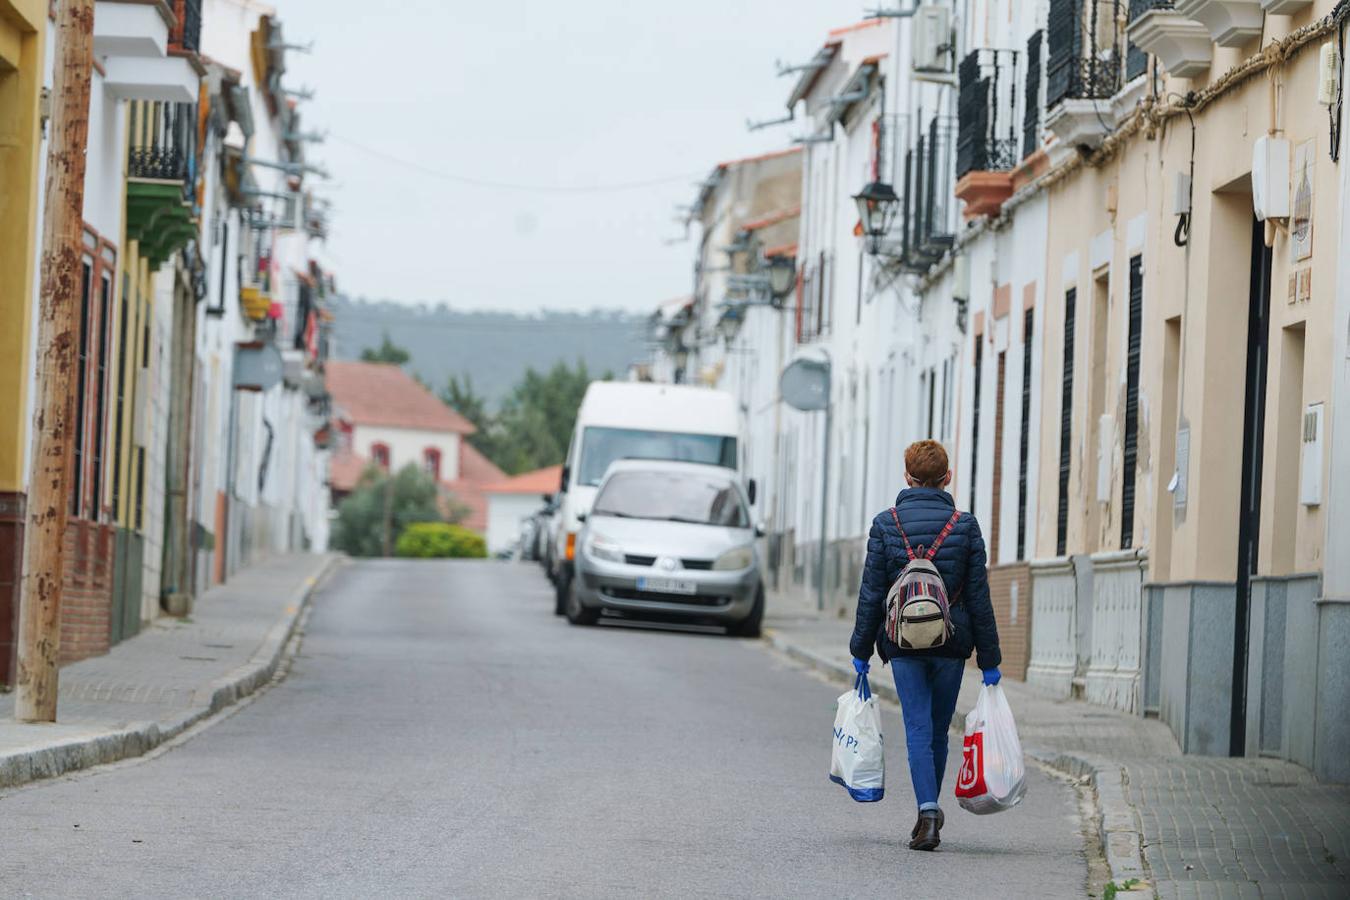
(1132, 348)
(975, 422)
(1065, 424)
(1031, 108)
(1024, 447)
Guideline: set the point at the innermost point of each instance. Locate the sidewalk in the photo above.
(173, 674)
(1206, 826)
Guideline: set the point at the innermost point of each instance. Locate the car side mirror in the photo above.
(566, 473)
(548, 498)
(581, 517)
(751, 490)
(760, 530)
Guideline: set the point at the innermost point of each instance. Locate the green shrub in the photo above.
(440, 540)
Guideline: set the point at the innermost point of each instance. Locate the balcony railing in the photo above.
(1084, 43)
(927, 229)
(163, 141)
(987, 135)
(1031, 106)
(187, 29)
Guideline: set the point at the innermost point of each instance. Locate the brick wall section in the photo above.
(1014, 621)
(11, 567)
(86, 602)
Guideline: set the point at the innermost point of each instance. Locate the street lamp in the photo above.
(877, 206)
(782, 276)
(730, 323)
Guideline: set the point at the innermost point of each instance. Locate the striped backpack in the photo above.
(918, 615)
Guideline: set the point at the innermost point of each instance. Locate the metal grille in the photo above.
(1031, 108)
(1131, 403)
(1084, 50)
(1066, 423)
(1024, 447)
(187, 29)
(930, 163)
(975, 423)
(987, 135)
(163, 141)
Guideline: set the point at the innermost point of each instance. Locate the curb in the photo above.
(96, 748)
(1118, 827)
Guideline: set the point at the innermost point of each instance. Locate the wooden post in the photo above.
(48, 489)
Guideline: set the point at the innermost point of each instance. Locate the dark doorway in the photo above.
(1249, 504)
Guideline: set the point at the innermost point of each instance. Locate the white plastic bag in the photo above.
(993, 773)
(857, 761)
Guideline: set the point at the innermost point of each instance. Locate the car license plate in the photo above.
(666, 586)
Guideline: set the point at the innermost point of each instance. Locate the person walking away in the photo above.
(925, 525)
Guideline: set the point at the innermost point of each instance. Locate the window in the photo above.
(602, 446)
(1025, 444)
(1131, 454)
(1065, 425)
(379, 455)
(431, 461)
(92, 349)
(975, 422)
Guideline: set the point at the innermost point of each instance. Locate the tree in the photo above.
(387, 352)
(460, 396)
(538, 415)
(379, 500)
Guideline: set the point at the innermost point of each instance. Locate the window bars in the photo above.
(987, 135)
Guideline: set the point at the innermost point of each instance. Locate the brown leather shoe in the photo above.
(942, 820)
(926, 832)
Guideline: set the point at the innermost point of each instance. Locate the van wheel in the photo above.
(751, 625)
(560, 586)
(576, 613)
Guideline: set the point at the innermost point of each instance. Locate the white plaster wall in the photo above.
(505, 514)
(406, 446)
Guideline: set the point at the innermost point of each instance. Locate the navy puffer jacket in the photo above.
(960, 560)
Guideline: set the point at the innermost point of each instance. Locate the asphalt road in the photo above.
(442, 733)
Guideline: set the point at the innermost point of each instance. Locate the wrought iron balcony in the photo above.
(987, 134)
(1084, 50)
(187, 30)
(161, 177)
(927, 226)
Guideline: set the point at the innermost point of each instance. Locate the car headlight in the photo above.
(740, 558)
(600, 548)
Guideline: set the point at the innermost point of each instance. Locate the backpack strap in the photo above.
(903, 536)
(942, 536)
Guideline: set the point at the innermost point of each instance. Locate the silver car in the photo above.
(669, 540)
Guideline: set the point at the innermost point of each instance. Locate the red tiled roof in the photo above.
(383, 394)
(782, 250)
(774, 218)
(476, 472)
(345, 469)
(856, 26)
(540, 481)
(760, 158)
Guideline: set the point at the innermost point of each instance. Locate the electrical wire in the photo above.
(506, 185)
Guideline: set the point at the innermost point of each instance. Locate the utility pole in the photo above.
(48, 489)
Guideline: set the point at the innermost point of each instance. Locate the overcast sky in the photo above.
(542, 93)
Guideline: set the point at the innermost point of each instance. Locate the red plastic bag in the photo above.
(993, 772)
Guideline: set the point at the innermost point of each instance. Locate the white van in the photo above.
(637, 420)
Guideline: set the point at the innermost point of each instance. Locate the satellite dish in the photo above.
(805, 384)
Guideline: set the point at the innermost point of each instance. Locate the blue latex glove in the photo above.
(861, 666)
(992, 676)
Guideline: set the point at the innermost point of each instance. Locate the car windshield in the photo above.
(602, 446)
(672, 496)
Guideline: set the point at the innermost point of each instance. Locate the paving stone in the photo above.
(1208, 826)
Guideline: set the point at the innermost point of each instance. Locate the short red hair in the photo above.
(926, 463)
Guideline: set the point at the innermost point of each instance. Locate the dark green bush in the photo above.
(440, 540)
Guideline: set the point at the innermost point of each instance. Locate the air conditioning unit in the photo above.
(1270, 178)
(931, 39)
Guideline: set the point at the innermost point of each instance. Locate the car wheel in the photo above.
(751, 625)
(576, 613)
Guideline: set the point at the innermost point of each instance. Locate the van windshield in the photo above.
(673, 497)
(601, 446)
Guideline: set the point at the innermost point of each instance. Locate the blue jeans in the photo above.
(927, 686)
